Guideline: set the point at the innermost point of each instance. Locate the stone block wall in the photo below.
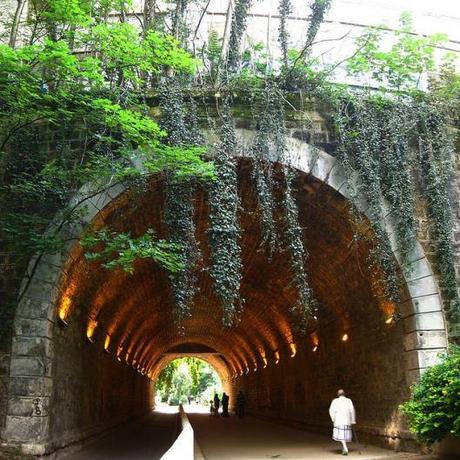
(370, 366)
(92, 391)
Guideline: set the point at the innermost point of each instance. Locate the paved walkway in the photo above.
(250, 439)
(148, 440)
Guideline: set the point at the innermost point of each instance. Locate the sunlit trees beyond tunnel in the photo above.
(184, 380)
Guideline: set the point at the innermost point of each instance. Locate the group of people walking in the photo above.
(225, 400)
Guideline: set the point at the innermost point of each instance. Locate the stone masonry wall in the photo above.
(370, 366)
(92, 391)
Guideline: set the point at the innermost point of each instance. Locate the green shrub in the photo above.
(434, 407)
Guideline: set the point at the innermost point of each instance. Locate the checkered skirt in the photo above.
(342, 433)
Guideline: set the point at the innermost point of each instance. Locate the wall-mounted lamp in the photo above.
(393, 318)
(315, 341)
(293, 349)
(106, 343)
(277, 357)
(63, 310)
(255, 368)
(264, 359)
(62, 321)
(345, 337)
(90, 329)
(247, 370)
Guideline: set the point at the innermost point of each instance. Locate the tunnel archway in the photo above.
(60, 378)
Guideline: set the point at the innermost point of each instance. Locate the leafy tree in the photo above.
(434, 408)
(402, 65)
(186, 377)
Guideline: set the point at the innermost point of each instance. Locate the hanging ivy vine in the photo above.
(306, 306)
(359, 153)
(237, 30)
(284, 9)
(224, 228)
(181, 124)
(435, 156)
(262, 168)
(269, 147)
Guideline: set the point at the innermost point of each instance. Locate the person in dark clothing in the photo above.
(240, 404)
(225, 400)
(216, 404)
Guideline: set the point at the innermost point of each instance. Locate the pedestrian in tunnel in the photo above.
(216, 404)
(211, 407)
(240, 404)
(343, 416)
(225, 400)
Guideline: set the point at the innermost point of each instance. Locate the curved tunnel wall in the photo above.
(63, 387)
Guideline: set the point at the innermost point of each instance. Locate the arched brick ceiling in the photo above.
(135, 310)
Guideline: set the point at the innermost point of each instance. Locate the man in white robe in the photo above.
(343, 416)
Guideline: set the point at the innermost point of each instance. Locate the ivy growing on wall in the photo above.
(179, 120)
(224, 227)
(435, 156)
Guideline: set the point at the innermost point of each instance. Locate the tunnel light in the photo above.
(264, 359)
(90, 329)
(315, 349)
(241, 372)
(63, 310)
(293, 349)
(345, 337)
(389, 320)
(106, 343)
(63, 322)
(247, 370)
(277, 357)
(255, 368)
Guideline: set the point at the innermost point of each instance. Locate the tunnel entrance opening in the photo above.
(107, 335)
(190, 381)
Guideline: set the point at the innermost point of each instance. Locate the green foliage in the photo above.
(284, 9)
(224, 228)
(88, 108)
(186, 377)
(434, 408)
(401, 66)
(212, 54)
(436, 162)
(120, 250)
(236, 33)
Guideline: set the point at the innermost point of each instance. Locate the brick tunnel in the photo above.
(116, 330)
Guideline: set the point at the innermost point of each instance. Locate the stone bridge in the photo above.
(88, 343)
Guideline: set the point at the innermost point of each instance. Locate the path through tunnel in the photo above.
(117, 330)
